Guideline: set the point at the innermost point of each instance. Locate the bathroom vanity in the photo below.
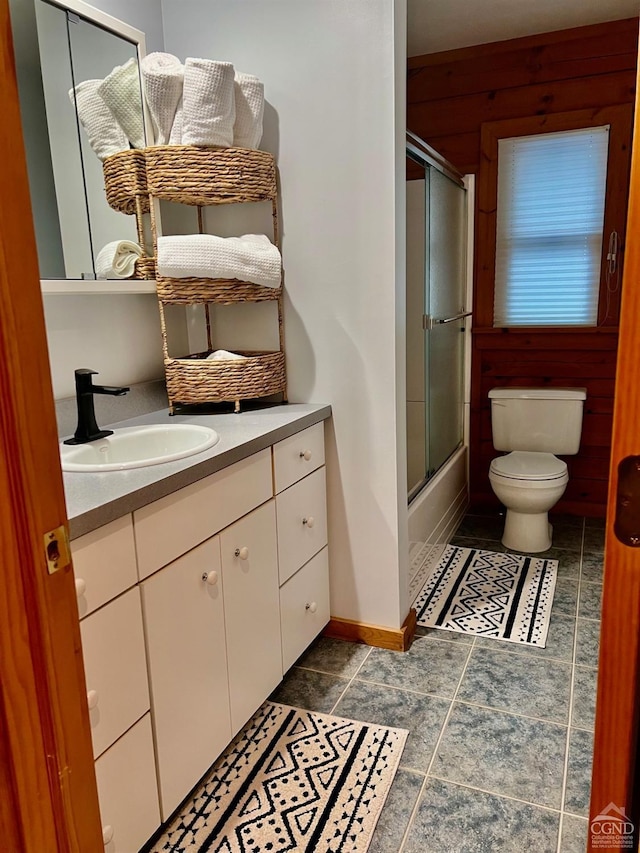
(199, 583)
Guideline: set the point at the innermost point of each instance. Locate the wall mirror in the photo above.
(58, 49)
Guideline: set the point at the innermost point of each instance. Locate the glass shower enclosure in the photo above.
(436, 312)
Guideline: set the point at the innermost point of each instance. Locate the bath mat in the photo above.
(505, 596)
(291, 780)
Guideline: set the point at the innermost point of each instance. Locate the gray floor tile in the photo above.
(559, 641)
(430, 666)
(534, 687)
(503, 754)
(423, 716)
(590, 601)
(588, 642)
(567, 536)
(585, 681)
(481, 526)
(597, 523)
(453, 819)
(593, 568)
(576, 798)
(568, 562)
(566, 520)
(574, 834)
(481, 544)
(593, 540)
(566, 596)
(396, 812)
(314, 691)
(447, 636)
(336, 657)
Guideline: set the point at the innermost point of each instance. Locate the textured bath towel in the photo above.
(120, 90)
(247, 129)
(106, 137)
(252, 258)
(208, 103)
(225, 355)
(176, 127)
(117, 259)
(162, 80)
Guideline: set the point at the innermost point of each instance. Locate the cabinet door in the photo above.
(115, 668)
(184, 620)
(252, 611)
(128, 791)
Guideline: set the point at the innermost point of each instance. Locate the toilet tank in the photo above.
(539, 419)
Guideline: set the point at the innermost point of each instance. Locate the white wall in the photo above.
(335, 87)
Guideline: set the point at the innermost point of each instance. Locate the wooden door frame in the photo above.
(48, 796)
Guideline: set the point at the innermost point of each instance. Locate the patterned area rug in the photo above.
(506, 596)
(291, 780)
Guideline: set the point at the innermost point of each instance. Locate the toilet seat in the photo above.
(528, 466)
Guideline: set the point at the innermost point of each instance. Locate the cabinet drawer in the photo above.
(104, 564)
(304, 607)
(252, 611)
(115, 668)
(173, 525)
(302, 522)
(184, 619)
(127, 790)
(297, 456)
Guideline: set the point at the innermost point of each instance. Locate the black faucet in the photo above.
(88, 429)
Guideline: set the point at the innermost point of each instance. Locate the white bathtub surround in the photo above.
(209, 109)
(252, 258)
(225, 355)
(249, 96)
(162, 80)
(117, 259)
(106, 137)
(120, 90)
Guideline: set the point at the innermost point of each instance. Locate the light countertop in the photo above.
(95, 499)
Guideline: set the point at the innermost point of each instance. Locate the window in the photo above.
(550, 213)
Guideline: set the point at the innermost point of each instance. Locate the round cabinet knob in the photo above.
(311, 607)
(243, 553)
(92, 699)
(81, 587)
(210, 577)
(305, 454)
(309, 522)
(107, 834)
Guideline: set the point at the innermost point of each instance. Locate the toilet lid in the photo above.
(525, 465)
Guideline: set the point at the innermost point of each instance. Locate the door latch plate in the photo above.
(56, 549)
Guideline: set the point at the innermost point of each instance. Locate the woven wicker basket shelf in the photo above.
(125, 181)
(197, 175)
(221, 291)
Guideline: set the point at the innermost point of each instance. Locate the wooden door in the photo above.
(614, 769)
(48, 799)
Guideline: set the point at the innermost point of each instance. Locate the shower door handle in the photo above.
(429, 322)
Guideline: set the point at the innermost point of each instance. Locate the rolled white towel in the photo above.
(176, 127)
(117, 259)
(208, 103)
(106, 137)
(249, 92)
(162, 79)
(225, 355)
(120, 90)
(252, 258)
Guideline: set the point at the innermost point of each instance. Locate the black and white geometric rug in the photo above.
(506, 596)
(291, 780)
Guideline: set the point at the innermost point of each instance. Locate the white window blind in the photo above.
(551, 194)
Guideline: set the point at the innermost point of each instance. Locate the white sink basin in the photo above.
(136, 447)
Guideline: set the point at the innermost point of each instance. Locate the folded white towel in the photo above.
(162, 77)
(120, 90)
(209, 107)
(252, 257)
(225, 355)
(247, 129)
(176, 127)
(106, 137)
(117, 259)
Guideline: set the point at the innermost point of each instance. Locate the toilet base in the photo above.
(527, 531)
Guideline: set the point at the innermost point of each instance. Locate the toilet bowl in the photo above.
(528, 484)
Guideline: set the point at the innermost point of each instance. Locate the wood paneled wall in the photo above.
(450, 96)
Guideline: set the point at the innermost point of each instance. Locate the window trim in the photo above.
(620, 119)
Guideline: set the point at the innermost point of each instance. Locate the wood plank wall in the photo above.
(450, 95)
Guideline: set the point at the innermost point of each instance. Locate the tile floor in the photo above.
(499, 752)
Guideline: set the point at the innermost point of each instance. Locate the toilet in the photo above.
(533, 424)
